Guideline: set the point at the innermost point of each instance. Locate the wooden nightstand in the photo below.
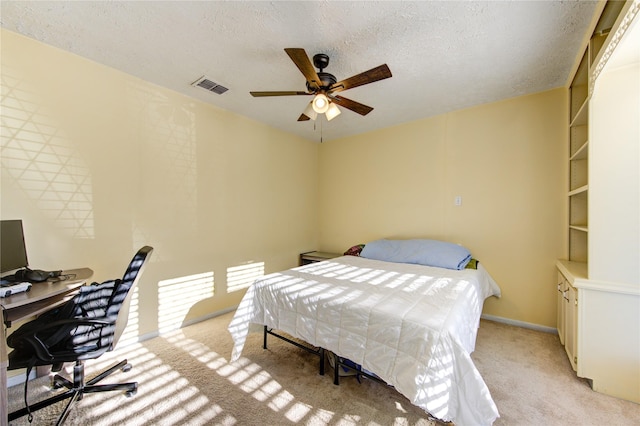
(316, 256)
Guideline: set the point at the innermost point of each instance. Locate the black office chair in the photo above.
(85, 327)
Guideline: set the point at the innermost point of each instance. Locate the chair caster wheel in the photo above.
(126, 367)
(132, 392)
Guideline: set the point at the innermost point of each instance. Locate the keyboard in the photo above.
(7, 290)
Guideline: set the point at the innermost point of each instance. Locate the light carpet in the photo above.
(185, 378)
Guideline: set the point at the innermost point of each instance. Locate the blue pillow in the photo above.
(422, 252)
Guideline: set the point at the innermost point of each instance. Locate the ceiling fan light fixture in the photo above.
(332, 112)
(320, 103)
(310, 112)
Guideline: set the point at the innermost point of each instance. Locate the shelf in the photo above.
(572, 270)
(579, 92)
(579, 212)
(578, 137)
(579, 160)
(581, 117)
(578, 163)
(582, 153)
(581, 228)
(579, 190)
(579, 174)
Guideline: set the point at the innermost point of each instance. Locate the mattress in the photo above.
(413, 326)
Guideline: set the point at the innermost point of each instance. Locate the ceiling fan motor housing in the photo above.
(326, 81)
(321, 61)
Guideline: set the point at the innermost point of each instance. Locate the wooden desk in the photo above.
(41, 298)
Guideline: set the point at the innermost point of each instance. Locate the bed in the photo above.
(414, 326)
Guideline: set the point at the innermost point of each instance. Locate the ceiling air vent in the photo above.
(209, 85)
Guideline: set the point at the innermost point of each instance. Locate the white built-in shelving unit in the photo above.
(599, 282)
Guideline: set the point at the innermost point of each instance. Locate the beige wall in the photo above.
(507, 160)
(98, 163)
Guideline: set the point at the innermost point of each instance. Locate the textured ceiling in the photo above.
(444, 56)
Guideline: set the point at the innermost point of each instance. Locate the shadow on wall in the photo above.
(42, 161)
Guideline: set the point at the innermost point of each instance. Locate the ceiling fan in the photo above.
(324, 86)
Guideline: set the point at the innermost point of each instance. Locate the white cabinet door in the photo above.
(571, 326)
(561, 306)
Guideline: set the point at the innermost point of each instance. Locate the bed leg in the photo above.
(264, 342)
(322, 361)
(336, 370)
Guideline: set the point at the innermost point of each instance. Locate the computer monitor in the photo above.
(13, 252)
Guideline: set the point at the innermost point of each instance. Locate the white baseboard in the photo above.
(522, 324)
(19, 378)
(209, 316)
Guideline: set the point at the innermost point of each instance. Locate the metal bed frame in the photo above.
(320, 352)
(341, 362)
(316, 351)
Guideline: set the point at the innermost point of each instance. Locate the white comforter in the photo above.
(413, 326)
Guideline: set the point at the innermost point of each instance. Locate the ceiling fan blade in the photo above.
(352, 105)
(375, 74)
(300, 58)
(303, 118)
(281, 93)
